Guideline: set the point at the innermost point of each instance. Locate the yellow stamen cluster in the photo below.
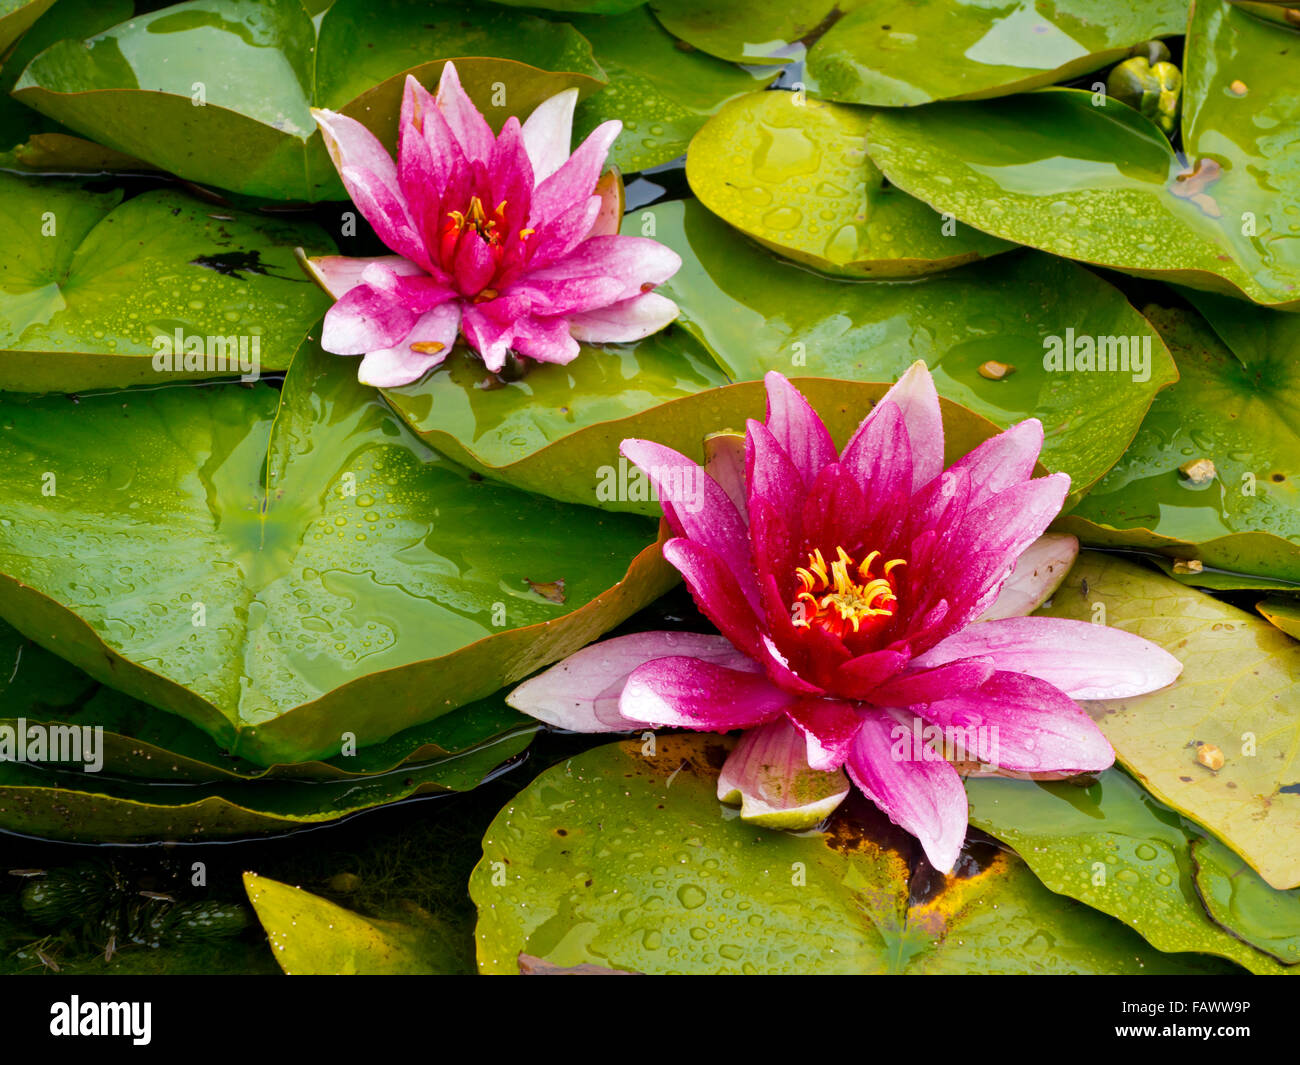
(842, 595)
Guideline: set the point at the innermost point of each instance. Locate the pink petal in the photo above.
(829, 727)
(370, 176)
(771, 475)
(610, 190)
(879, 456)
(546, 340)
(401, 364)
(548, 132)
(463, 118)
(582, 692)
(487, 335)
(696, 507)
(625, 321)
(766, 773)
(380, 311)
(796, 427)
(916, 399)
(573, 182)
(724, 461)
(1003, 460)
(634, 261)
(1083, 660)
(922, 795)
(691, 693)
(1041, 568)
(926, 681)
(716, 592)
(339, 274)
(1030, 726)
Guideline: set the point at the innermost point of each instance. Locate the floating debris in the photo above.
(1198, 471)
(1209, 756)
(996, 371)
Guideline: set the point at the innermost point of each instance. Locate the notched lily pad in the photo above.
(629, 862)
(793, 173)
(1239, 900)
(280, 587)
(97, 293)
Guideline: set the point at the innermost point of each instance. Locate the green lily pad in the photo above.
(1091, 179)
(1114, 848)
(629, 862)
(86, 807)
(662, 94)
(1238, 692)
(793, 173)
(1246, 906)
(757, 313)
(1236, 411)
(750, 31)
(607, 7)
(76, 18)
(1284, 613)
(369, 587)
(16, 17)
(892, 55)
(311, 936)
(95, 292)
(257, 68)
(142, 741)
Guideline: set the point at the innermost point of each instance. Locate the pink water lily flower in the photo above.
(870, 603)
(503, 239)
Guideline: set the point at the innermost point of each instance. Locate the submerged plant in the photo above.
(861, 596)
(503, 239)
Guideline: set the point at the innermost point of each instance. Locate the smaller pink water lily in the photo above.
(505, 239)
(872, 606)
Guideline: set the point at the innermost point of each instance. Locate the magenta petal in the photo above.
(879, 457)
(716, 592)
(696, 507)
(573, 183)
(771, 475)
(724, 461)
(548, 132)
(340, 274)
(1003, 460)
(403, 364)
(690, 693)
(919, 792)
(582, 692)
(917, 401)
(1028, 726)
(859, 677)
(829, 727)
(1083, 660)
(925, 682)
(1041, 568)
(796, 427)
(466, 123)
(767, 773)
(545, 340)
(633, 261)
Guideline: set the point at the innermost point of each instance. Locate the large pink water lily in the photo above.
(870, 603)
(502, 239)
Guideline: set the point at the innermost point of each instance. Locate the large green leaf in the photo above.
(1092, 179)
(629, 862)
(1238, 899)
(1284, 613)
(750, 31)
(92, 288)
(1113, 847)
(1236, 408)
(311, 936)
(756, 313)
(661, 93)
(608, 7)
(371, 586)
(95, 808)
(1239, 691)
(220, 91)
(16, 17)
(897, 55)
(793, 173)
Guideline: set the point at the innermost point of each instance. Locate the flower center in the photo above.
(475, 220)
(844, 594)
